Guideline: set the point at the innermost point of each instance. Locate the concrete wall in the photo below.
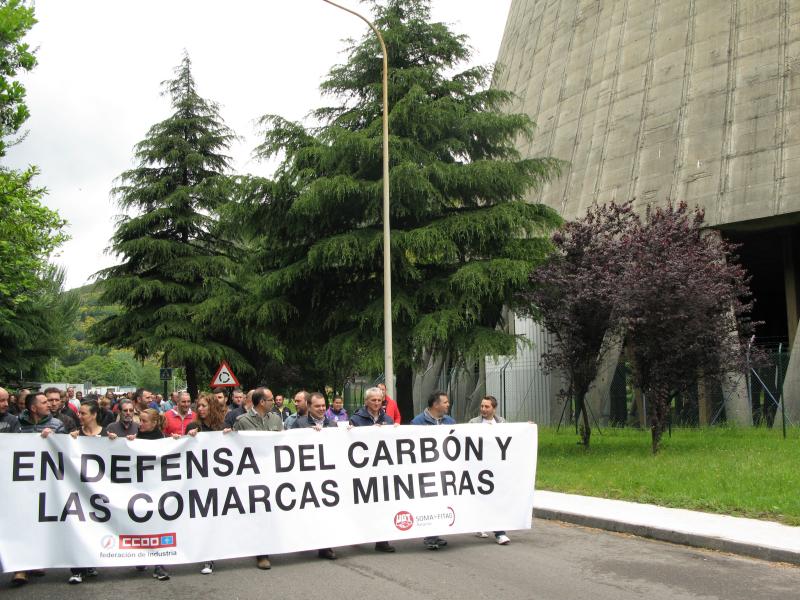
(696, 100)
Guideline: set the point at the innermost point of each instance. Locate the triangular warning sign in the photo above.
(224, 377)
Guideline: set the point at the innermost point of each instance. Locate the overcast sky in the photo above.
(96, 89)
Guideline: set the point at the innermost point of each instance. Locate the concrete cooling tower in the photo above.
(652, 100)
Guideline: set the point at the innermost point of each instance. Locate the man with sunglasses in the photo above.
(125, 424)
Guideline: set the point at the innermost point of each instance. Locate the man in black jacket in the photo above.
(316, 418)
(372, 413)
(36, 418)
(59, 410)
(8, 422)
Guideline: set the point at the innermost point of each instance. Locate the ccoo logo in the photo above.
(404, 520)
(148, 542)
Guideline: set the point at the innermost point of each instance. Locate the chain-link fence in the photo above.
(526, 393)
(704, 402)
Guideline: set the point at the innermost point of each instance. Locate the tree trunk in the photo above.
(704, 406)
(660, 396)
(598, 394)
(585, 429)
(405, 392)
(191, 381)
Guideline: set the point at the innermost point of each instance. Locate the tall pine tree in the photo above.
(171, 253)
(463, 239)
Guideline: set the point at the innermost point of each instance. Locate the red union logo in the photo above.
(404, 520)
(156, 540)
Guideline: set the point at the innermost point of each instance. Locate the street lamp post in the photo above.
(387, 255)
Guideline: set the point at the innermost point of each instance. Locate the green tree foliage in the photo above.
(169, 248)
(16, 20)
(29, 233)
(79, 360)
(34, 312)
(90, 310)
(114, 368)
(463, 239)
(37, 329)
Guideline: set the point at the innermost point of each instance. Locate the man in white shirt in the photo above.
(489, 416)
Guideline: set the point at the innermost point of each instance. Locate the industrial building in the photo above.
(660, 100)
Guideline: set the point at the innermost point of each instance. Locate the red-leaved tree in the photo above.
(684, 305)
(573, 296)
(668, 289)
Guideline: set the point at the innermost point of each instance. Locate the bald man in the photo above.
(8, 422)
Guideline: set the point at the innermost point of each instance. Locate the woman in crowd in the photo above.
(209, 416)
(336, 412)
(150, 425)
(88, 423)
(89, 427)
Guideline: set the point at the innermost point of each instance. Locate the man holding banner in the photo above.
(435, 414)
(36, 418)
(489, 416)
(372, 413)
(315, 419)
(301, 400)
(260, 418)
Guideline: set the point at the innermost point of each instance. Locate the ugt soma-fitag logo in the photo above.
(148, 542)
(404, 520)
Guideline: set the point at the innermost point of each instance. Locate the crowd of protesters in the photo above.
(143, 415)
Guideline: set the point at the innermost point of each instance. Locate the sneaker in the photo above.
(384, 547)
(502, 539)
(20, 578)
(208, 568)
(441, 542)
(90, 572)
(76, 578)
(160, 574)
(482, 534)
(262, 562)
(431, 544)
(327, 553)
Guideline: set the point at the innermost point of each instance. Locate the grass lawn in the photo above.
(753, 473)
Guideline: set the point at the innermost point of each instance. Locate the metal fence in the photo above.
(526, 393)
(523, 390)
(764, 383)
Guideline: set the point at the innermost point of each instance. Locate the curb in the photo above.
(672, 536)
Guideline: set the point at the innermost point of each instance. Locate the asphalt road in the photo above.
(551, 561)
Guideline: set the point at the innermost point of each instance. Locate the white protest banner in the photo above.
(94, 502)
